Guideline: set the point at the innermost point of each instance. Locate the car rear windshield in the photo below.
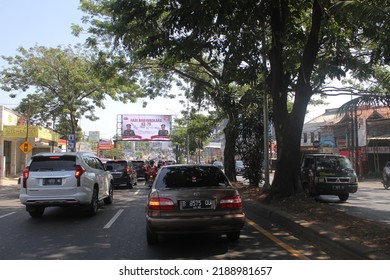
(191, 177)
(120, 165)
(53, 163)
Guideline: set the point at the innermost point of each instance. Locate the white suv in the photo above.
(65, 179)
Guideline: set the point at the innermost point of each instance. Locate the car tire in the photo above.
(93, 206)
(151, 237)
(110, 197)
(36, 212)
(343, 197)
(233, 236)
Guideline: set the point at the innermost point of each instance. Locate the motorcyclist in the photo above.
(151, 172)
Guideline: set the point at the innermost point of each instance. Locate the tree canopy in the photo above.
(287, 50)
(66, 83)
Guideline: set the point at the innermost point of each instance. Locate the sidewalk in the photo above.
(7, 182)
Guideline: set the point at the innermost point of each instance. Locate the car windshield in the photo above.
(53, 163)
(333, 164)
(117, 165)
(191, 177)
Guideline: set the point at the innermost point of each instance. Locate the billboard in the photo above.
(146, 127)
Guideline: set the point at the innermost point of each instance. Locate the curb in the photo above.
(350, 249)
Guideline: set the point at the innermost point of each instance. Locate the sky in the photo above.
(26, 23)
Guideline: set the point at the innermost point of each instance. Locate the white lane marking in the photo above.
(7, 215)
(137, 192)
(109, 224)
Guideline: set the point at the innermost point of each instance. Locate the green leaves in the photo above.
(69, 82)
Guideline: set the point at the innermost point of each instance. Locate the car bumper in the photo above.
(80, 199)
(336, 189)
(178, 225)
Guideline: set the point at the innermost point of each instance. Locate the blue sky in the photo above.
(25, 23)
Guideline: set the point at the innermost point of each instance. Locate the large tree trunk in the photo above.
(288, 125)
(286, 180)
(231, 134)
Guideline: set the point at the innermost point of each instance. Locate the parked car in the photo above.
(328, 174)
(193, 199)
(386, 175)
(239, 167)
(141, 166)
(123, 172)
(65, 179)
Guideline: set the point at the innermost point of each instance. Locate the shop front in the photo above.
(19, 142)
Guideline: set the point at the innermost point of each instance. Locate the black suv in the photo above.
(123, 172)
(328, 174)
(140, 166)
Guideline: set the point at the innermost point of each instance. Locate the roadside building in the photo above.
(363, 134)
(19, 141)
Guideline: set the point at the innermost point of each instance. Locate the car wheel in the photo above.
(36, 212)
(151, 237)
(233, 236)
(110, 197)
(93, 206)
(343, 197)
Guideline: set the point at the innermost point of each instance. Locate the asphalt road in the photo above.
(117, 232)
(371, 201)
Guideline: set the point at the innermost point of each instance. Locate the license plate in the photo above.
(196, 204)
(52, 181)
(337, 188)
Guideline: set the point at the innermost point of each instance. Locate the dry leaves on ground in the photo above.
(368, 233)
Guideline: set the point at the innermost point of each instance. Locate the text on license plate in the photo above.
(196, 204)
(52, 181)
(338, 188)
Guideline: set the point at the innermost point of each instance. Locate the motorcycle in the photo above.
(150, 176)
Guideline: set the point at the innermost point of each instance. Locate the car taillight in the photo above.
(161, 204)
(230, 202)
(26, 172)
(79, 171)
(128, 170)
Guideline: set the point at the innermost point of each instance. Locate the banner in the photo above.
(146, 127)
(105, 144)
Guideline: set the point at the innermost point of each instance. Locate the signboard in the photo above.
(94, 136)
(15, 131)
(25, 147)
(146, 127)
(105, 144)
(71, 142)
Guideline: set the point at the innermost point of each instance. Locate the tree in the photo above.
(184, 40)
(224, 48)
(67, 84)
(191, 133)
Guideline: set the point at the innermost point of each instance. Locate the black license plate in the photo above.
(196, 204)
(338, 188)
(52, 181)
